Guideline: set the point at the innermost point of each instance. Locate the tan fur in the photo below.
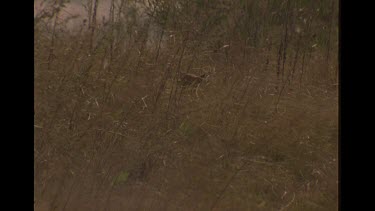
(188, 79)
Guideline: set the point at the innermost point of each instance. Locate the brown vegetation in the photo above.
(113, 130)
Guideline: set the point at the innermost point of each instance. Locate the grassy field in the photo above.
(114, 130)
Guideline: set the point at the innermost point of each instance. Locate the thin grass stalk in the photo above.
(93, 25)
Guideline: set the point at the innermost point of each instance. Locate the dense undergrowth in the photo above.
(115, 131)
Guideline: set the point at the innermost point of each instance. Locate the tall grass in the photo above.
(114, 130)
